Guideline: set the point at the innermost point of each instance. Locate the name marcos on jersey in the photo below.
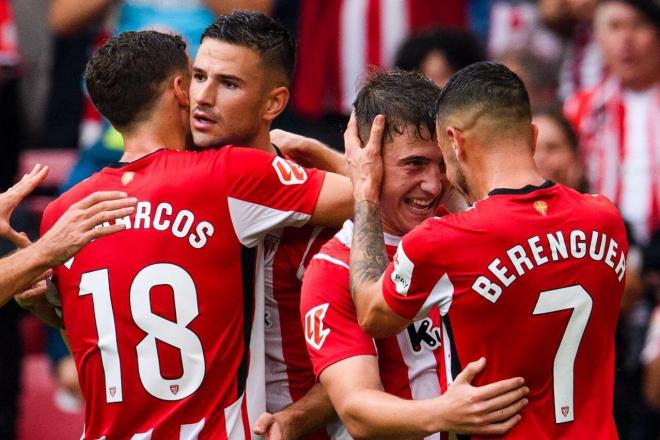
(163, 218)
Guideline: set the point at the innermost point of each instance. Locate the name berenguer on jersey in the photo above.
(558, 246)
(162, 218)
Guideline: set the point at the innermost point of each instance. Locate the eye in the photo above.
(198, 76)
(229, 84)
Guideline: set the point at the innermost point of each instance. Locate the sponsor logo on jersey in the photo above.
(315, 334)
(127, 177)
(422, 334)
(402, 273)
(289, 173)
(541, 207)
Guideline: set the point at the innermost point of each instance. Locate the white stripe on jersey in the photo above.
(252, 221)
(312, 238)
(393, 28)
(325, 257)
(441, 296)
(234, 420)
(255, 387)
(191, 431)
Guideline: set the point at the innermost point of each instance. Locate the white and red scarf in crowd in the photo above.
(9, 55)
(339, 39)
(619, 134)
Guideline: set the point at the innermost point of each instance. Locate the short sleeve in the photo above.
(332, 332)
(266, 192)
(416, 280)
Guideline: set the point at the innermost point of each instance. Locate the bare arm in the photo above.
(313, 411)
(309, 152)
(368, 413)
(368, 256)
(77, 227)
(68, 17)
(335, 203)
(222, 7)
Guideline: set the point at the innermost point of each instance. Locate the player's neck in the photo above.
(504, 172)
(262, 142)
(149, 137)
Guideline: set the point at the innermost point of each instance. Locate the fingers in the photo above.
(376, 135)
(30, 181)
(498, 428)
(506, 399)
(351, 137)
(504, 386)
(471, 370)
(506, 412)
(26, 298)
(19, 239)
(102, 231)
(97, 197)
(262, 424)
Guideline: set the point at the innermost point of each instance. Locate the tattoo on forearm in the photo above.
(368, 255)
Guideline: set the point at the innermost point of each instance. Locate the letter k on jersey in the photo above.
(315, 334)
(289, 173)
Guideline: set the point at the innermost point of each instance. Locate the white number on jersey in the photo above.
(578, 299)
(174, 333)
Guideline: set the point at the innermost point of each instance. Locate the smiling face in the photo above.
(227, 94)
(413, 180)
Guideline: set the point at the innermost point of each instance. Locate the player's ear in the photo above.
(456, 141)
(535, 136)
(276, 102)
(181, 85)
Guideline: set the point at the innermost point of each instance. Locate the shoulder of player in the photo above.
(333, 255)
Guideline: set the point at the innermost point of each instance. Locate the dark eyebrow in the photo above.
(413, 157)
(220, 76)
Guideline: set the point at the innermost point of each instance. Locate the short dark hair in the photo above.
(260, 33)
(491, 88)
(125, 77)
(459, 47)
(404, 98)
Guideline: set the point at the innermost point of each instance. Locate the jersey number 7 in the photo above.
(578, 299)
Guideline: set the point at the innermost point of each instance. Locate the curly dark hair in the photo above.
(254, 30)
(404, 98)
(125, 77)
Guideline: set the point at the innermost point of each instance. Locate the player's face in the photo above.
(413, 181)
(227, 95)
(629, 42)
(455, 175)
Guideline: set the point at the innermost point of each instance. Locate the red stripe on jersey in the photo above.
(373, 33)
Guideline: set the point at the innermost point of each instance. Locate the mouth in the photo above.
(201, 120)
(421, 207)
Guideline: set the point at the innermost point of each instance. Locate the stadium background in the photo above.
(550, 43)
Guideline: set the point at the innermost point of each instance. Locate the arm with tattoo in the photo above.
(368, 255)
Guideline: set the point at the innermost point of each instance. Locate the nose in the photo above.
(433, 180)
(203, 93)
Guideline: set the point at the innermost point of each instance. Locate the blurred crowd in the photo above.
(592, 69)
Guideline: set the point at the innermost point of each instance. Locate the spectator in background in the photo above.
(338, 41)
(617, 121)
(538, 74)
(438, 53)
(582, 63)
(556, 153)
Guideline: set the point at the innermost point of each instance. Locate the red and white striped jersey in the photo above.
(413, 364)
(620, 139)
(165, 318)
(583, 67)
(339, 39)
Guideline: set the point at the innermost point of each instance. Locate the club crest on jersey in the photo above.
(174, 389)
(541, 207)
(315, 334)
(288, 172)
(127, 177)
(564, 410)
(113, 391)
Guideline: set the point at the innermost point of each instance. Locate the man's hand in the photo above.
(83, 222)
(10, 199)
(268, 426)
(293, 145)
(365, 163)
(488, 410)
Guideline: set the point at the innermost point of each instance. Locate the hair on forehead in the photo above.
(487, 89)
(406, 99)
(256, 31)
